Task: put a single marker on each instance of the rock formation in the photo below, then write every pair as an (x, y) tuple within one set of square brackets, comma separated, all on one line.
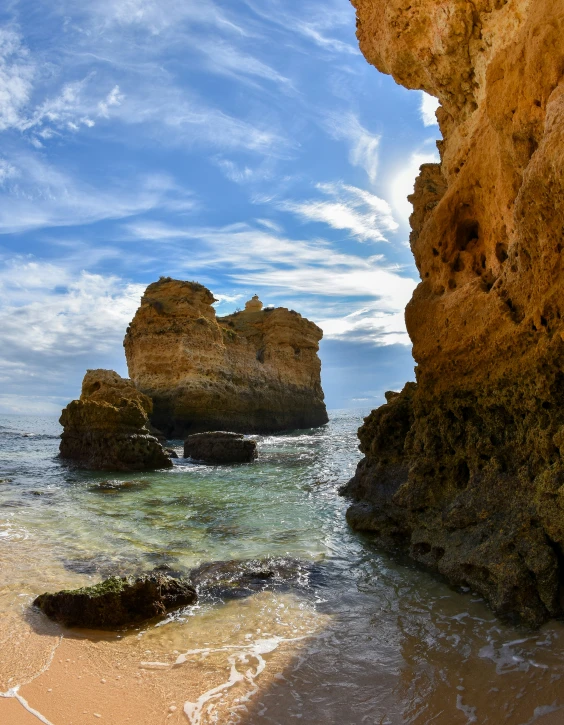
[(252, 371), (117, 602), (107, 427), (465, 469), (220, 447)]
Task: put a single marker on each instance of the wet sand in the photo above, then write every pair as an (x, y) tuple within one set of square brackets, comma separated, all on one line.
[(203, 669)]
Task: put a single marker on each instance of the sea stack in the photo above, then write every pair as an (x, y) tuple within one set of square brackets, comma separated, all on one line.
[(464, 470), (107, 428), (255, 371)]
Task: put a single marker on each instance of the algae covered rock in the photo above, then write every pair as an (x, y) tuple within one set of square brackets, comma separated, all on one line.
[(254, 371), (220, 447), (107, 427), (117, 602)]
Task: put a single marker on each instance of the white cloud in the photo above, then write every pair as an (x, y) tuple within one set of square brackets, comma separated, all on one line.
[(364, 215), (429, 105), (364, 146), (322, 277), (56, 321), (39, 195), (402, 183), (16, 75)]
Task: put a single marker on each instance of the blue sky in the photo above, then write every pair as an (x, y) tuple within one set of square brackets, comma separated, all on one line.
[(245, 144)]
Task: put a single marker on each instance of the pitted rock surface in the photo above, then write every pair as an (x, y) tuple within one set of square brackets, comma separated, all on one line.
[(250, 372), (220, 447), (464, 470), (107, 427), (117, 602)]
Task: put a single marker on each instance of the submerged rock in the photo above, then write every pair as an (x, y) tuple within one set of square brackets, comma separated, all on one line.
[(107, 427), (117, 602), (241, 578), (220, 447), (465, 471), (254, 371)]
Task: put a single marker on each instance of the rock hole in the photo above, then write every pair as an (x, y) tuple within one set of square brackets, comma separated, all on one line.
[(501, 252), (260, 355), (467, 232), (458, 265), (543, 321), (421, 549), (538, 104), (462, 474), (452, 284), (435, 252)]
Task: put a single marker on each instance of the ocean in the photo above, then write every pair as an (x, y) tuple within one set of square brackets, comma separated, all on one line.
[(361, 638)]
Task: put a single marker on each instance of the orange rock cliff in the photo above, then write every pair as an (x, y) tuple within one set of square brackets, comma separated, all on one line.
[(253, 371), (464, 469)]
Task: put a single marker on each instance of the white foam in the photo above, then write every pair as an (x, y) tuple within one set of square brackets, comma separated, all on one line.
[(14, 691), (240, 655)]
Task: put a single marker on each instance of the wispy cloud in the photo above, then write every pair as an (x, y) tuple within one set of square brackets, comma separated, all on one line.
[(252, 257), (362, 214), (16, 76), (364, 146), (38, 195)]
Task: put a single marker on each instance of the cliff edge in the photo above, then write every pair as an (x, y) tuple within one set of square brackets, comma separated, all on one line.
[(464, 469), (253, 371)]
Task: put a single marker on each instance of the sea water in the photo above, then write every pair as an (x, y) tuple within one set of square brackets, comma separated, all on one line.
[(364, 639)]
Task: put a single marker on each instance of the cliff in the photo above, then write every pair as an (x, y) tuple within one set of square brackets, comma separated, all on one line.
[(107, 427), (253, 371), (464, 470)]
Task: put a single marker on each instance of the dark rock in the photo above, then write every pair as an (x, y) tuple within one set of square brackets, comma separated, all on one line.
[(117, 602), (220, 447), (236, 579), (171, 453)]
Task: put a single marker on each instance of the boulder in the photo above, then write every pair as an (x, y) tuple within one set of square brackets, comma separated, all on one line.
[(220, 447), (255, 371), (117, 602), (107, 427)]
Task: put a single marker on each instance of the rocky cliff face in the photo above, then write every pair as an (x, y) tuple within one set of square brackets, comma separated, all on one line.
[(465, 469), (107, 427), (253, 371)]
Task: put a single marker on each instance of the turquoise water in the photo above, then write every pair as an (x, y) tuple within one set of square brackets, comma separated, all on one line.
[(395, 645)]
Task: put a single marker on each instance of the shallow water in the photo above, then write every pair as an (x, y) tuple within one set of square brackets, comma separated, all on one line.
[(364, 640)]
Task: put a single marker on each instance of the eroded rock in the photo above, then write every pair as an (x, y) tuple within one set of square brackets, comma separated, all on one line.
[(254, 371), (107, 427), (465, 470), (117, 602), (220, 447)]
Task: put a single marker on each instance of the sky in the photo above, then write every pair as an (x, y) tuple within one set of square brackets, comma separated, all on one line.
[(243, 144)]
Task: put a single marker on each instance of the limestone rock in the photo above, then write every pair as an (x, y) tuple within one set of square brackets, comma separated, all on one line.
[(117, 602), (107, 427), (465, 470), (220, 447), (252, 371)]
